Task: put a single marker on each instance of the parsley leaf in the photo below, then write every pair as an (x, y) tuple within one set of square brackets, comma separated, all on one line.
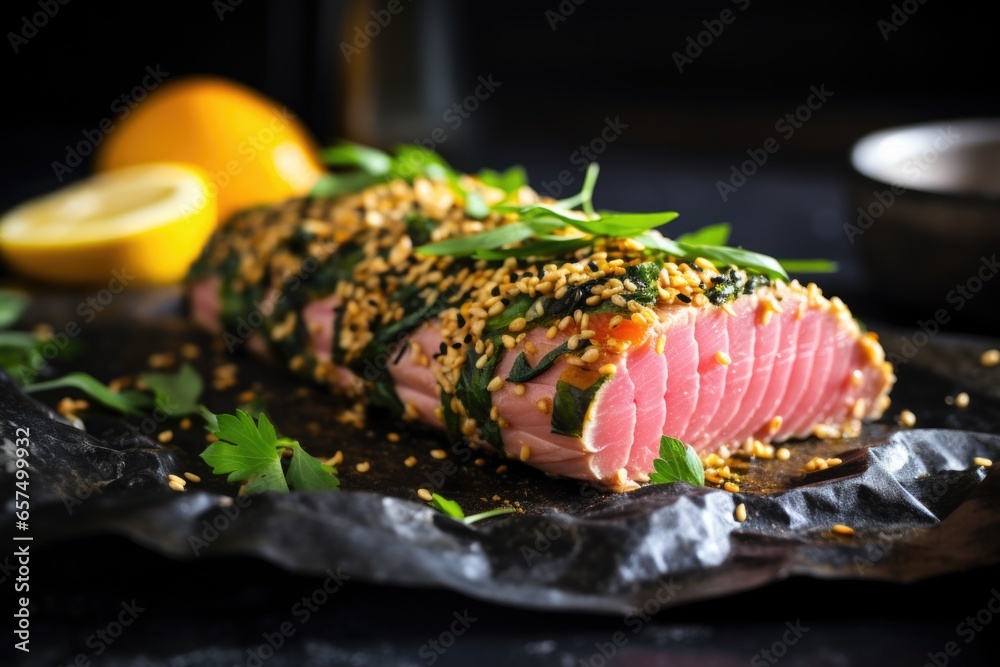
[(252, 453), (248, 452), (176, 394), (127, 402), (677, 463), (12, 305), (306, 473)]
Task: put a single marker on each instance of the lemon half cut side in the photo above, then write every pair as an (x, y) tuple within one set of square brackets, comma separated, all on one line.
[(149, 221)]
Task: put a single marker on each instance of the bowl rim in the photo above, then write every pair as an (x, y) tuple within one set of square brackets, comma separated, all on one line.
[(868, 156)]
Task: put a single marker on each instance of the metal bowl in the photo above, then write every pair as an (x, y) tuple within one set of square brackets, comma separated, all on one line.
[(926, 219)]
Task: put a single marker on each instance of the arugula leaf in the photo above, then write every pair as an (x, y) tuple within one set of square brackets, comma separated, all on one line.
[(717, 234), (509, 181), (247, 452), (547, 248), (12, 305), (370, 160), (452, 509), (677, 463), (808, 265), (126, 402), (467, 245), (306, 473), (745, 259), (176, 394), (586, 194)]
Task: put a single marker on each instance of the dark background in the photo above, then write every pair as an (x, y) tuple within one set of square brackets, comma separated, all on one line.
[(607, 59), (563, 70)]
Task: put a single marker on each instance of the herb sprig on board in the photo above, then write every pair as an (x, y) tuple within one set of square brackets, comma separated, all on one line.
[(677, 463)]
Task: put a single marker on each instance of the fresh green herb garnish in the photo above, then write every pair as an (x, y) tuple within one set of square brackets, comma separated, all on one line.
[(252, 453), (175, 394), (452, 509), (570, 406), (521, 371), (12, 305), (543, 230), (127, 402), (677, 463)]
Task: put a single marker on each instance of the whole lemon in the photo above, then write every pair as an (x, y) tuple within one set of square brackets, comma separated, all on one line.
[(254, 150)]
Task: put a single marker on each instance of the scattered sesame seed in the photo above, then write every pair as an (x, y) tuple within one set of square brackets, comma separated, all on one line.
[(841, 529), (741, 513), (176, 478), (525, 453), (907, 418), (962, 400), (165, 436), (783, 454), (982, 461), (185, 424), (590, 355), (607, 369), (661, 344), (544, 406), (723, 358), (176, 486), (190, 351), (501, 469), (392, 437), (425, 494), (161, 360), (519, 389), (990, 358), (337, 459), (518, 324), (732, 488), (364, 466), (439, 454), (480, 462), (495, 384), (410, 461), (192, 477)]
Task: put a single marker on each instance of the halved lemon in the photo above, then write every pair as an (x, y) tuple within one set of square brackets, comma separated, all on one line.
[(147, 222)]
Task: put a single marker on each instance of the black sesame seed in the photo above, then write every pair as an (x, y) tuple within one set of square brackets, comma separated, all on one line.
[(461, 321), (505, 301), (457, 346), (593, 265), (467, 339), (684, 297), (495, 291)]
